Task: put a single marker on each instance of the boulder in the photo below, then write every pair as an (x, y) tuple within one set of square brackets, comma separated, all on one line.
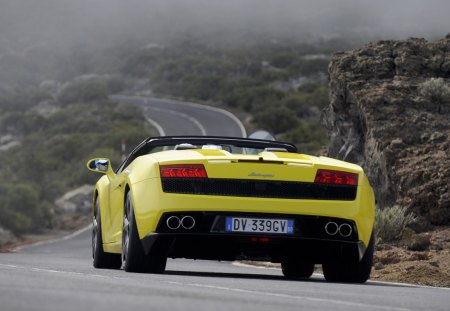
[(379, 119), (76, 201), (6, 237)]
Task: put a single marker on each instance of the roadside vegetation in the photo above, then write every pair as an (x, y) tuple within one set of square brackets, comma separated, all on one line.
[(391, 222), (436, 92), (46, 141), (281, 86)]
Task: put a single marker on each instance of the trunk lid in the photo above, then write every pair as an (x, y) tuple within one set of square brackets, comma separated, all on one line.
[(262, 166)]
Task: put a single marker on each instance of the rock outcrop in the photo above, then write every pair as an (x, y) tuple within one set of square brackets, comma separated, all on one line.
[(378, 118), (76, 201), (6, 237)]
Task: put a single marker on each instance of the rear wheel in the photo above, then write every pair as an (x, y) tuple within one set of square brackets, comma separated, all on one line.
[(346, 272), (100, 258), (134, 258), (293, 269)]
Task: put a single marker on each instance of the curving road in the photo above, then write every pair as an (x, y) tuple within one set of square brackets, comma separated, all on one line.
[(173, 117), (59, 275)]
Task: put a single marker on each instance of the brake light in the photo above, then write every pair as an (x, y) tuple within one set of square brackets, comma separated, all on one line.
[(336, 177), (183, 171)]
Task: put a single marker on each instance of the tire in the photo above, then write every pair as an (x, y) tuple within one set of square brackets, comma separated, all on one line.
[(345, 272), (296, 269), (133, 256), (100, 258)]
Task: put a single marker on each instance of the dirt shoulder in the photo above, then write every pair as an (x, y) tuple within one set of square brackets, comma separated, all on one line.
[(68, 226), (429, 267), (393, 263)]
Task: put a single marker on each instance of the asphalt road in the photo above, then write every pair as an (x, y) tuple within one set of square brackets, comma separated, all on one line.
[(172, 117), (59, 275)]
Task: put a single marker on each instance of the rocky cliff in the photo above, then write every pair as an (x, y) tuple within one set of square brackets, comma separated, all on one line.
[(379, 118)]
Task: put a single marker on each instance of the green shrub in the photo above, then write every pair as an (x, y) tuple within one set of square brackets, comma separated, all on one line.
[(16, 99), (254, 99), (83, 91), (284, 60), (309, 136), (115, 84), (435, 90), (51, 159), (313, 66), (390, 223), (299, 104), (276, 119), (21, 209)]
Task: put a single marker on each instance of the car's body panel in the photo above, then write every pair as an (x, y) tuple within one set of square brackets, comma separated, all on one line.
[(149, 216), (142, 179)]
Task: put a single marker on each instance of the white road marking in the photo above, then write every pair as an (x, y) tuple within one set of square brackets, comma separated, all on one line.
[(328, 301), (9, 266), (195, 105), (204, 107), (215, 287), (156, 125), (296, 297), (45, 270), (34, 269), (183, 115), (64, 238), (244, 265)]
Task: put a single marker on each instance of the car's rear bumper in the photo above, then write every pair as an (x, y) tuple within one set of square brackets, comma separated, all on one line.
[(209, 239), (218, 246)]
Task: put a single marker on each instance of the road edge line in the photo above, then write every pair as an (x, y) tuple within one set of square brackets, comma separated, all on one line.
[(199, 106), (220, 110), (244, 265), (157, 126), (51, 241), (183, 115)]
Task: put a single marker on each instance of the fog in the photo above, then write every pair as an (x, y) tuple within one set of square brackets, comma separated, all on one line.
[(102, 22)]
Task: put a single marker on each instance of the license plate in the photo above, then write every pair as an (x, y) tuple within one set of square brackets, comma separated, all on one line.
[(259, 225)]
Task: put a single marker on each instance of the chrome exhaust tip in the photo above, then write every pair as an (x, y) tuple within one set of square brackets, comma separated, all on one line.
[(188, 222), (331, 228), (173, 222), (345, 230)]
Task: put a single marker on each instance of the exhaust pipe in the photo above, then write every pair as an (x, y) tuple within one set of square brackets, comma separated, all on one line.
[(345, 230), (188, 222), (173, 222), (331, 228)]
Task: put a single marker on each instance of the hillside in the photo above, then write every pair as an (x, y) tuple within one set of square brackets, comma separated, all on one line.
[(46, 137), (389, 111), (276, 85)]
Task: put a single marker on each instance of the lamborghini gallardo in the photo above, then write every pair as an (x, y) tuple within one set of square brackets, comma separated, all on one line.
[(222, 198)]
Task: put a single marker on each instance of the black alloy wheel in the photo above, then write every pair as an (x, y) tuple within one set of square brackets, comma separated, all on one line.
[(134, 258), (351, 272), (101, 259)]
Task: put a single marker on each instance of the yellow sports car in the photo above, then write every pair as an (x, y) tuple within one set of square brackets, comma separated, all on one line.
[(225, 198)]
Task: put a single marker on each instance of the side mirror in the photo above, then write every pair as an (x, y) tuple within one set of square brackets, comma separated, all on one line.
[(100, 165)]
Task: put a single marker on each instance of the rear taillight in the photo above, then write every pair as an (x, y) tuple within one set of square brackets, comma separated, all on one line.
[(336, 177), (183, 171)]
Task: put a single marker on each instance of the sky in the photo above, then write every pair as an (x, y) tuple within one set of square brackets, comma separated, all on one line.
[(67, 22)]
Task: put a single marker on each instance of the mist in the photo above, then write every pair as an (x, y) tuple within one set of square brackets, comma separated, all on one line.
[(24, 23)]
